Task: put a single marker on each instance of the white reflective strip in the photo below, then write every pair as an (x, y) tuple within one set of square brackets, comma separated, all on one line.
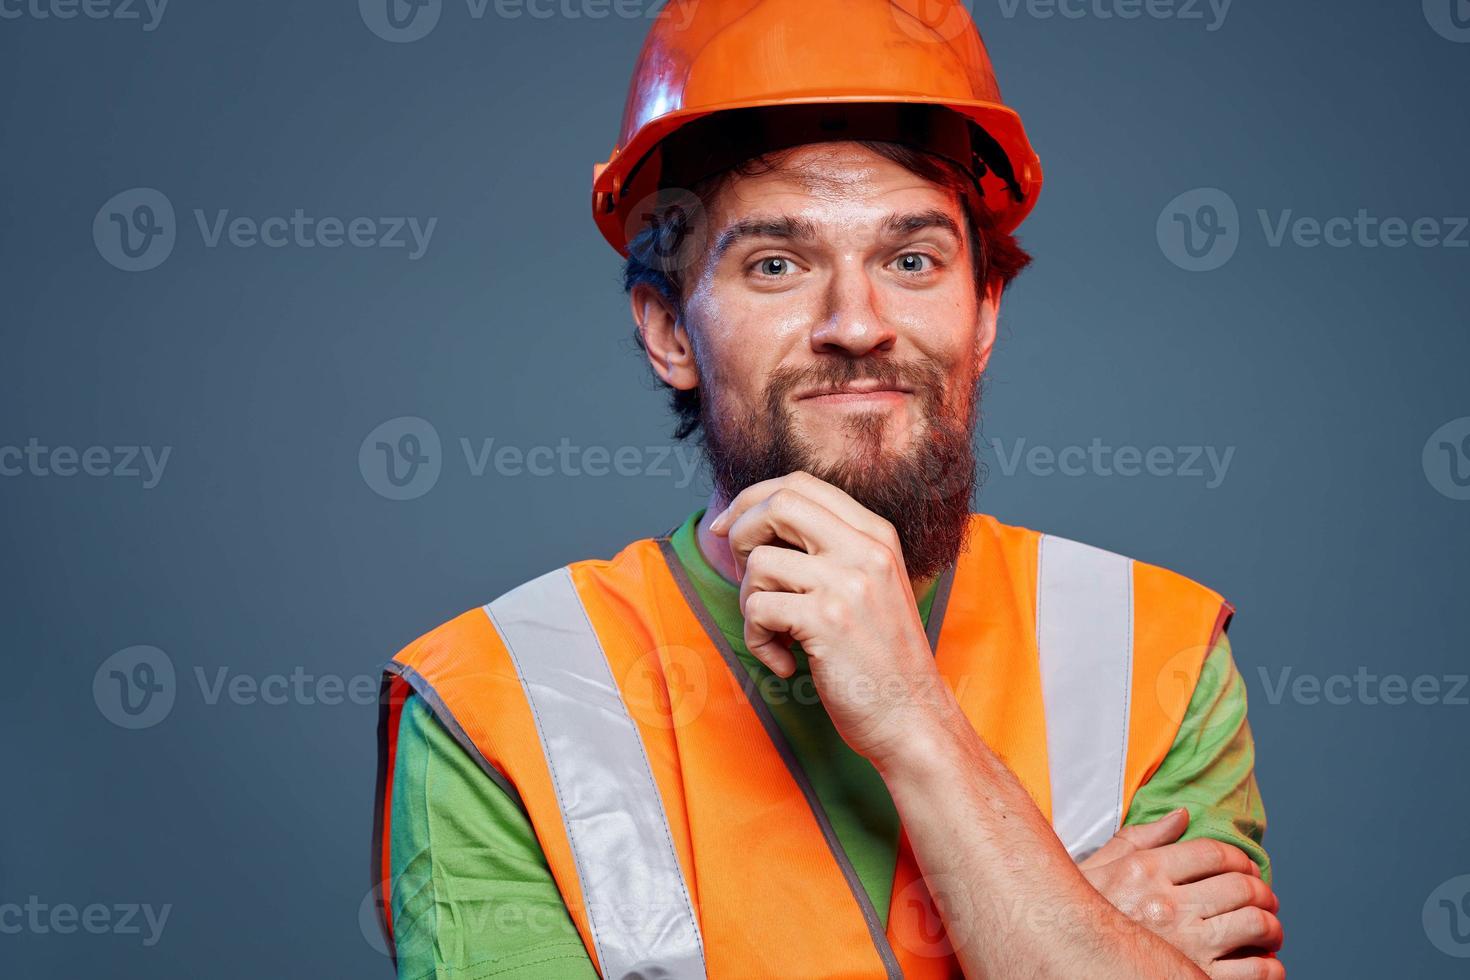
[(643, 924), (1084, 632)]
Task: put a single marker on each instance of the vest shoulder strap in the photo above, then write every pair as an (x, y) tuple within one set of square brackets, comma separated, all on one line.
[(637, 903), (1111, 635)]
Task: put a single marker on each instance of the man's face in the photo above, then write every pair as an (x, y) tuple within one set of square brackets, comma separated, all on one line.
[(837, 271), (836, 329)]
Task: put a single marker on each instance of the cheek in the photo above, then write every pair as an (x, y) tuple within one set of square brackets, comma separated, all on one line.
[(941, 327), (744, 339)]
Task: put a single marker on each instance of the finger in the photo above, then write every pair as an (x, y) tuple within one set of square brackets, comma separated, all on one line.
[(1140, 837), (768, 616), (1248, 927), (834, 498), (1194, 860), (1249, 968), (1226, 893), (772, 569), (787, 517)]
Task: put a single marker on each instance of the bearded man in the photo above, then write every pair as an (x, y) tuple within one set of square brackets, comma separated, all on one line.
[(833, 724)]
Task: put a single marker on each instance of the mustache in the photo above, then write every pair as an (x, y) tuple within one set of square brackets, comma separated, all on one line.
[(924, 378)]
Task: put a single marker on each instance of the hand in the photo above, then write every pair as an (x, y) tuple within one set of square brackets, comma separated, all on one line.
[(1204, 897), (818, 568)]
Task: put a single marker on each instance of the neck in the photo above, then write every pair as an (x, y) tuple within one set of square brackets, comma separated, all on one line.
[(716, 549)]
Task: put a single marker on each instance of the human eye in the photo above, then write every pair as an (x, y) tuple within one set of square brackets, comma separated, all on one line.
[(773, 267), (916, 263)]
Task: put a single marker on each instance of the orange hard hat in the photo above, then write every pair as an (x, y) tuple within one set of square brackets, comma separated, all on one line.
[(720, 81)]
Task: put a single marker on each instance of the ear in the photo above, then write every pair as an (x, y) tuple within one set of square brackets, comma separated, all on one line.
[(665, 339), (987, 323)]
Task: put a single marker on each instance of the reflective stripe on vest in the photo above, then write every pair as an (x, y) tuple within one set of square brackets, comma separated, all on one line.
[(637, 904), (1084, 636)]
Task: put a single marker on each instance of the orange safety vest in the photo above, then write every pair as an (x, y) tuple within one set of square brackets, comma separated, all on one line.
[(684, 838)]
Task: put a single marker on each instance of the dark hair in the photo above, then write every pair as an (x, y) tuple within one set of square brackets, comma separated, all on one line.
[(654, 253)]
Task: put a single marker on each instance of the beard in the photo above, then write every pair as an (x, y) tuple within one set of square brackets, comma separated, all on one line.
[(924, 491)]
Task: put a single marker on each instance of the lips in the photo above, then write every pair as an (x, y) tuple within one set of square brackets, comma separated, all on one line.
[(856, 390)]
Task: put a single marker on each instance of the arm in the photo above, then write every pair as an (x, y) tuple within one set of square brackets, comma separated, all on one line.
[(1210, 768), (1209, 894), (818, 568), (996, 869), (472, 895)]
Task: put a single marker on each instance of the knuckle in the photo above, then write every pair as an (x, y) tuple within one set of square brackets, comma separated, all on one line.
[(1261, 968), (760, 556), (783, 501), (832, 612), (1135, 869), (1242, 890), (1156, 911), (877, 558)]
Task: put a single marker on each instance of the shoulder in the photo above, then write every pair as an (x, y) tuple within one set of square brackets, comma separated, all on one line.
[(471, 636), (1044, 550)]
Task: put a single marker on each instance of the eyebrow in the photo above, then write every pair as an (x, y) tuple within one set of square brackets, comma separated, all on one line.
[(895, 225), (785, 226), (900, 225)]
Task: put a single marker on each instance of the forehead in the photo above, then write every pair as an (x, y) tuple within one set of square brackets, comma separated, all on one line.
[(831, 188)]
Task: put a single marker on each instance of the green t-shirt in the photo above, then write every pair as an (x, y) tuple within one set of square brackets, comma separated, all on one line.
[(473, 896)]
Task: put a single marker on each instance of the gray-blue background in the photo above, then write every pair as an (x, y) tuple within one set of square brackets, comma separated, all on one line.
[(265, 549)]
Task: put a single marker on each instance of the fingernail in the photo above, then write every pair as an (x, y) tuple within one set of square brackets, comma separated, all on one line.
[(719, 520)]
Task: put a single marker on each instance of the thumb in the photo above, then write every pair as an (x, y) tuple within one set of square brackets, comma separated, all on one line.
[(1142, 836)]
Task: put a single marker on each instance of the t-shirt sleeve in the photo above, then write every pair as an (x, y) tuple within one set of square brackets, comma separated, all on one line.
[(472, 895), (1210, 768)]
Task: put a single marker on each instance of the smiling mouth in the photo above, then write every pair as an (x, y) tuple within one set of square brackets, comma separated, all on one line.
[(839, 396)]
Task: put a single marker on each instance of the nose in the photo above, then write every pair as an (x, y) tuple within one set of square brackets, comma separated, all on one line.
[(851, 322)]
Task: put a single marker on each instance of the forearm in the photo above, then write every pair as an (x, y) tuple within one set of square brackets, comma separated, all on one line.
[(1013, 901)]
